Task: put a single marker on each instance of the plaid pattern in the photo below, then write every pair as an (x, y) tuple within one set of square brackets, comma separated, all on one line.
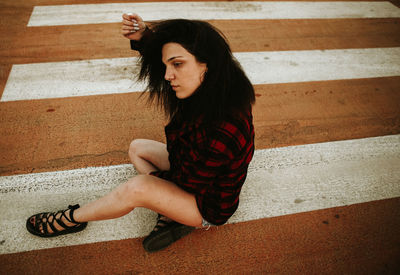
[(211, 162)]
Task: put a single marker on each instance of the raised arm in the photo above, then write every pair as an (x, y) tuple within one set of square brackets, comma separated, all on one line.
[(133, 26)]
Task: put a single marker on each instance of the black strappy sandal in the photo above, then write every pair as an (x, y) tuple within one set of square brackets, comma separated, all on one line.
[(164, 234), (45, 219)]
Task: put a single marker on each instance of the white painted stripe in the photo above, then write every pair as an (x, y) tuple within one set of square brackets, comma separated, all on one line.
[(281, 181), (105, 76), (108, 13), (72, 78)]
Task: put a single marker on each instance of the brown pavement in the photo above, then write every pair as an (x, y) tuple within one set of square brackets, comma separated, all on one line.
[(357, 239), (61, 134), (67, 133)]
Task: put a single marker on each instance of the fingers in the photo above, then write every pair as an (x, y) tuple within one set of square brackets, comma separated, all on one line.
[(128, 21), (134, 16), (127, 25), (126, 16), (132, 23), (126, 32)]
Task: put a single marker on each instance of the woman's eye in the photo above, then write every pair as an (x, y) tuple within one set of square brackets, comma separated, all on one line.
[(177, 64)]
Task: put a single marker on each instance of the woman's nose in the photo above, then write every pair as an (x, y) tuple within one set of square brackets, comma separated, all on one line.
[(168, 74)]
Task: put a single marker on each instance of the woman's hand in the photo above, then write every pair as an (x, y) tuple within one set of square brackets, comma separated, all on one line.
[(132, 26)]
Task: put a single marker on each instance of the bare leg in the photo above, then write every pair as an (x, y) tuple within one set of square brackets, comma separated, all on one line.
[(147, 191), (148, 155)]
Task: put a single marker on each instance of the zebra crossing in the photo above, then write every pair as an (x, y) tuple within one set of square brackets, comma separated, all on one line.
[(314, 171)]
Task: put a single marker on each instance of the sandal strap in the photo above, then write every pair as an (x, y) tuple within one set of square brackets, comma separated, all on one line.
[(48, 219), (38, 221), (161, 220), (43, 220), (72, 208), (60, 221), (161, 223), (44, 226)]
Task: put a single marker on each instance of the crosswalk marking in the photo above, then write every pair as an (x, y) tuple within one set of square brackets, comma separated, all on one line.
[(281, 181), (117, 75), (108, 13)]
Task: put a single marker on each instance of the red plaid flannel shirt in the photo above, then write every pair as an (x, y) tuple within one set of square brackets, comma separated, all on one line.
[(211, 162)]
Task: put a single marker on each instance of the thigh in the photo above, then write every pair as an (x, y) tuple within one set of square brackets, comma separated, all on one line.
[(152, 151), (168, 199)]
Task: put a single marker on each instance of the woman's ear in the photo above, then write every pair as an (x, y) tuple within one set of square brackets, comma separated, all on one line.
[(203, 74)]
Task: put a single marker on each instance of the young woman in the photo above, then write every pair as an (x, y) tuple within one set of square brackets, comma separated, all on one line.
[(195, 179)]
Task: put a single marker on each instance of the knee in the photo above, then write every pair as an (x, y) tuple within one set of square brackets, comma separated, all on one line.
[(134, 190), (134, 147)]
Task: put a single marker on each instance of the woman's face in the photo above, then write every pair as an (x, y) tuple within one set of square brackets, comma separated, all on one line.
[(183, 71)]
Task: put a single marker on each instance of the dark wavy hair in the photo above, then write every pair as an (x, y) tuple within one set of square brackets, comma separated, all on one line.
[(225, 90)]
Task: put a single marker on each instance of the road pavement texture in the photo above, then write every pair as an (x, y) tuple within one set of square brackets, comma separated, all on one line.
[(323, 190)]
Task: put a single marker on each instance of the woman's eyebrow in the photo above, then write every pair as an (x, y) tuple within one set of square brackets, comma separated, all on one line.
[(172, 58)]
